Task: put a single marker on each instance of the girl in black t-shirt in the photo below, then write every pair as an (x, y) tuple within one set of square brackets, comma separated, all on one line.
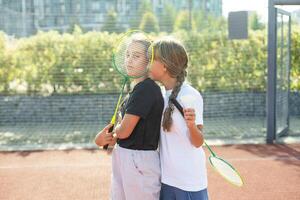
[(135, 160)]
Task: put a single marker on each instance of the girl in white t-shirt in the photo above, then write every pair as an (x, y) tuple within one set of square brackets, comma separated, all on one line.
[(183, 167)]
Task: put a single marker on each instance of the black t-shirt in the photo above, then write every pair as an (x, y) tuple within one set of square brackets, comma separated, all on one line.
[(145, 101)]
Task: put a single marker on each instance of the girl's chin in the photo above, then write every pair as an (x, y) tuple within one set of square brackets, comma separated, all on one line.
[(131, 73), (153, 78)]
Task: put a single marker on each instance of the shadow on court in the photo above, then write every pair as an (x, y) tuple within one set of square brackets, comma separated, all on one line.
[(270, 172)]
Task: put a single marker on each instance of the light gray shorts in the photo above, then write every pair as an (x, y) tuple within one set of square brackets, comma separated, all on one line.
[(135, 174)]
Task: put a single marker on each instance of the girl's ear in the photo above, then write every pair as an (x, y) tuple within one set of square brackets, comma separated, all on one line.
[(165, 69)]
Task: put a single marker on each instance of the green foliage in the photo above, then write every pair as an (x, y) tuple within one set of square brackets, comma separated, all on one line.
[(50, 62), (8, 68), (149, 23), (75, 27), (3, 71), (167, 18), (2, 43), (111, 23), (201, 21), (204, 22), (255, 22), (135, 19), (69, 63), (183, 22), (2, 48), (295, 59), (217, 64)]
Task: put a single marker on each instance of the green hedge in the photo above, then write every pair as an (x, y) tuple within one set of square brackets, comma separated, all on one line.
[(68, 63), (50, 62), (220, 64), (295, 59)]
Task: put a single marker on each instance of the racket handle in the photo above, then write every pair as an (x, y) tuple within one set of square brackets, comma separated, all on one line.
[(110, 130)]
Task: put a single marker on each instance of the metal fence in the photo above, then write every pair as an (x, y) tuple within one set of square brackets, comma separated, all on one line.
[(43, 106)]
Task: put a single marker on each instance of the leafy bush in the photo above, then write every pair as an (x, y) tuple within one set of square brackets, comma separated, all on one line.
[(68, 63), (295, 59), (217, 63), (183, 22), (149, 23), (50, 63), (9, 72)]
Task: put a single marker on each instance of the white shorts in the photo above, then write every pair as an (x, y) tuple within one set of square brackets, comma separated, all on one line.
[(135, 174)]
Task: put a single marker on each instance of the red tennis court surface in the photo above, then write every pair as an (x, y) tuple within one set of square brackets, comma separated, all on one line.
[(271, 172)]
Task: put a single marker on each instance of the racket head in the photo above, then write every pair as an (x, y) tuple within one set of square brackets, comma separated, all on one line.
[(133, 54), (226, 170)]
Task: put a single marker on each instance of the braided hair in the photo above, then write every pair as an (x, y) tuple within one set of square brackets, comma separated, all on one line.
[(174, 57)]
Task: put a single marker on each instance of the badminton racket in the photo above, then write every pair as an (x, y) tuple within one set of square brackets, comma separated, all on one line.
[(224, 168), (132, 45)]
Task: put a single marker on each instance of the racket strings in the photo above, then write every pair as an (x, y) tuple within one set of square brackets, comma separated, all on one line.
[(131, 57), (226, 170)]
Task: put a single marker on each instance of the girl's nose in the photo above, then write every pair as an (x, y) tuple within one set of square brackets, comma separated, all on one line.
[(129, 62), (129, 59)]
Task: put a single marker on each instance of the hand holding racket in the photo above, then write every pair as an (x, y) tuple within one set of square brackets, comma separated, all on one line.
[(104, 136), (132, 46), (225, 169)]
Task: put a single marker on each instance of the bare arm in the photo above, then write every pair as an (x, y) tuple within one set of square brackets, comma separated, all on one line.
[(125, 128), (197, 138), (196, 135)]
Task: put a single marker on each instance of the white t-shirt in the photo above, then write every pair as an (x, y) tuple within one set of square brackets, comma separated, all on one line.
[(182, 164)]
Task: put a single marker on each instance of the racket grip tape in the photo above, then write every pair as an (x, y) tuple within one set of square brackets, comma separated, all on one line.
[(110, 130)]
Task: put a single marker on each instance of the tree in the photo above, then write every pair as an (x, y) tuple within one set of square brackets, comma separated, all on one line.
[(3, 75), (111, 22), (182, 22), (200, 20), (135, 17), (77, 30), (74, 24), (149, 23), (167, 18), (255, 22)]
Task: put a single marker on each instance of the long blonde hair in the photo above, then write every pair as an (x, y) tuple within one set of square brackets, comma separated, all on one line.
[(173, 55)]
